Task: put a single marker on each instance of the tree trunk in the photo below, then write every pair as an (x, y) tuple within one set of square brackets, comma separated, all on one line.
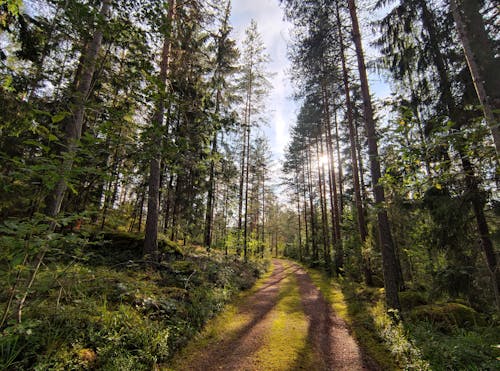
[(311, 204), (483, 66), (322, 201), (211, 191), (247, 171), (151, 237), (306, 247), (363, 233), (74, 125), (341, 175), (334, 201), (385, 237), (299, 216)]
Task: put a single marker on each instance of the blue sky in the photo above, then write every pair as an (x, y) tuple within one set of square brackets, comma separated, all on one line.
[(275, 33)]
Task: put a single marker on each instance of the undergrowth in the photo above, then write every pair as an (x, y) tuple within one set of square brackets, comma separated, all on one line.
[(109, 312), (440, 336)]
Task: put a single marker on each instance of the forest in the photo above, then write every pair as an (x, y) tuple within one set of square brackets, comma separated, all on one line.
[(143, 206)]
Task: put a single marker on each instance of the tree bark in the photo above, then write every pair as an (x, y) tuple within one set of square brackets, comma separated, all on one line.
[(385, 237), (151, 237), (334, 200), (73, 130), (483, 66)]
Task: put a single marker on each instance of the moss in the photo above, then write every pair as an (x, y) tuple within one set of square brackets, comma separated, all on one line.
[(287, 346), (412, 299), (127, 316), (446, 316)]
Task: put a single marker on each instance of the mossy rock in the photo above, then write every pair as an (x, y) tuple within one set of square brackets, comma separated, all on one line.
[(184, 267), (446, 316), (123, 241), (169, 250), (412, 299)]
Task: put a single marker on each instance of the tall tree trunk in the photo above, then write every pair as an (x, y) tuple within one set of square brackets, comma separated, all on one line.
[(74, 125), (314, 239), (211, 185), (388, 255), (241, 189), (483, 65), (341, 175), (299, 216), (306, 225), (263, 212), (334, 201), (363, 233), (322, 200), (151, 237), (247, 171)]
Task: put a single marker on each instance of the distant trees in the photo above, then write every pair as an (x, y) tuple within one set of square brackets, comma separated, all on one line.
[(253, 85)]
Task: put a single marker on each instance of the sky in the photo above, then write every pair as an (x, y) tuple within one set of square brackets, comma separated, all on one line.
[(275, 34)]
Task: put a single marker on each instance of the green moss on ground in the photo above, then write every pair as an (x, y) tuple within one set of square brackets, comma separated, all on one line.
[(107, 311), (286, 347)]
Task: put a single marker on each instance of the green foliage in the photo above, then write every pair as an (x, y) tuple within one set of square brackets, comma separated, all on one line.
[(472, 349), (106, 312)]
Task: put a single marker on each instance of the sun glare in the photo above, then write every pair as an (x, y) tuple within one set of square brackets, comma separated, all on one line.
[(323, 160)]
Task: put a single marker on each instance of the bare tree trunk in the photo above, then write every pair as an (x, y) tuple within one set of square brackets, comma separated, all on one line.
[(247, 171), (242, 178), (299, 215), (209, 216), (74, 125), (263, 212), (483, 66), (363, 233), (334, 202), (322, 200), (341, 175), (151, 237), (311, 204), (388, 255), (306, 247)]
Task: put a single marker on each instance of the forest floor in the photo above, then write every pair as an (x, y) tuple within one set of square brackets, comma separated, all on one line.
[(284, 323)]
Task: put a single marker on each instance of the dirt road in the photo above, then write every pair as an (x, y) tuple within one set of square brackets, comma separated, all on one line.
[(284, 324)]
